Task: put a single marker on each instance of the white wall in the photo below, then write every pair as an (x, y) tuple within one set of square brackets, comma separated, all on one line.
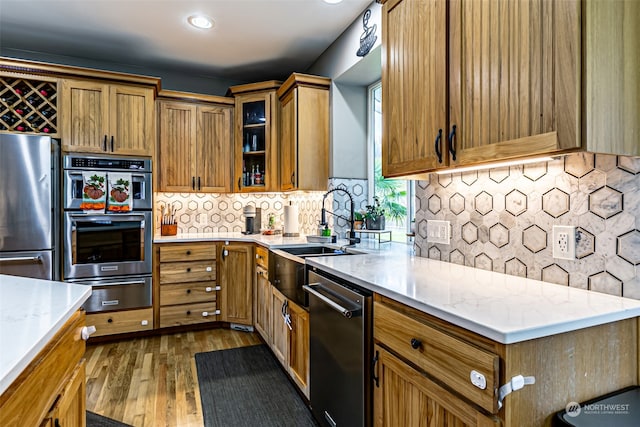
[(351, 75)]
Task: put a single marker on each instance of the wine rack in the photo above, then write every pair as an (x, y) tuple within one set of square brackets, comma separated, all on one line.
[(28, 106)]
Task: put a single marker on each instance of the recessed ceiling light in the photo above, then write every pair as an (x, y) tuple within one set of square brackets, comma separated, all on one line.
[(332, 1), (200, 21)]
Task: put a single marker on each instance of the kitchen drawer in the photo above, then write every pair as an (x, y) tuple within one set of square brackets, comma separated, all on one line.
[(187, 252), (119, 322), (188, 314), (262, 256), (187, 293), (442, 356), (192, 271)]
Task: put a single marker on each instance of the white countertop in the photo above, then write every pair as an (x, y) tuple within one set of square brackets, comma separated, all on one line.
[(31, 313), (507, 309)]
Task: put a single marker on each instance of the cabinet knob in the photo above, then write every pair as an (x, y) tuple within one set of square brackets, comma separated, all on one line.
[(188, 291), (415, 343), (188, 252), (188, 312), (189, 270), (109, 320), (208, 289)]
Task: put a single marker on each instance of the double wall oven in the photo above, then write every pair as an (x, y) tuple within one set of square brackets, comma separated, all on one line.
[(109, 251)]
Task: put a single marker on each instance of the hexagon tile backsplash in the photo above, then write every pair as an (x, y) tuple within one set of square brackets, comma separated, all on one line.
[(202, 213), (502, 220)]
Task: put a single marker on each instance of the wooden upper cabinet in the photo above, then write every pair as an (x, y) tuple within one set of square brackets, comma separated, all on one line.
[(414, 86), (255, 147), (176, 157), (213, 151), (304, 133), (505, 74), (514, 79), (107, 118), (612, 61), (194, 145)]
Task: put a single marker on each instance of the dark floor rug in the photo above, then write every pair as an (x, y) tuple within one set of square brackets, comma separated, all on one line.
[(246, 387), (97, 420)]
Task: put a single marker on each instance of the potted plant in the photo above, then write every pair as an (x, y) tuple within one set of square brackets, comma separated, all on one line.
[(374, 216), (358, 220)]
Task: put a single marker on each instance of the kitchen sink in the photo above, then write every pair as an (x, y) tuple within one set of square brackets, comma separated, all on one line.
[(308, 251)]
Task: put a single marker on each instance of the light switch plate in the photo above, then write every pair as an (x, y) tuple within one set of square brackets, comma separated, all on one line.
[(438, 231)]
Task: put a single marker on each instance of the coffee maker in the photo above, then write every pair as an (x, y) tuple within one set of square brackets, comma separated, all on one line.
[(252, 219)]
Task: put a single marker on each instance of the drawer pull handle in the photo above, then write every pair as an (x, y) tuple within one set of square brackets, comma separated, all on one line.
[(189, 270), (415, 343), (188, 252), (109, 320), (208, 289), (188, 312), (188, 291)]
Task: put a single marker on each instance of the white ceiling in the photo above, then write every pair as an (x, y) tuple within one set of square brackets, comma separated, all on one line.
[(251, 40)]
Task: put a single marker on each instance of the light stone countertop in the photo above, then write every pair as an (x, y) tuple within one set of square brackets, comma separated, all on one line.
[(31, 313), (505, 308)]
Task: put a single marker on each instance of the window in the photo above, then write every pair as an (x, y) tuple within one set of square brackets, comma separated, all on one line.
[(395, 195)]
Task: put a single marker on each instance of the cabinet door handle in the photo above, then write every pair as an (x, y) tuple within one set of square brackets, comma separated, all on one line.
[(438, 146), (199, 184), (374, 365), (104, 144), (112, 143), (224, 253), (452, 143), (193, 182), (415, 343), (239, 187), (293, 178)]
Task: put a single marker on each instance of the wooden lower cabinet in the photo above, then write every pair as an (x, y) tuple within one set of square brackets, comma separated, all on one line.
[(279, 329), (299, 346), (406, 397), (51, 389), (120, 322), (424, 367), (262, 302), (235, 263), (188, 287), (289, 341), (69, 409)]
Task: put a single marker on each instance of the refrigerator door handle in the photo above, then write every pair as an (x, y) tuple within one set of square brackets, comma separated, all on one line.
[(34, 259)]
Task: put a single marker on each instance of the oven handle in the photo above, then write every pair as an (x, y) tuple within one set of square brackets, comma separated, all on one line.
[(311, 288), (35, 259), (133, 175), (90, 217), (133, 282)]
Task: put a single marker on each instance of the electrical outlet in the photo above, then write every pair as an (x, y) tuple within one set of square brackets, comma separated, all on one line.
[(438, 231), (564, 242)]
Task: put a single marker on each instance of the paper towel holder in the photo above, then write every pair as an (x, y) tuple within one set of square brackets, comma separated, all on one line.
[(287, 222)]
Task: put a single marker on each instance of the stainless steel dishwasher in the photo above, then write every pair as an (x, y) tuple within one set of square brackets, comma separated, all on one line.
[(339, 351)]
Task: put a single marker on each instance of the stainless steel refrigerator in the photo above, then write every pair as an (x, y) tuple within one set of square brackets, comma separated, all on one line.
[(28, 206)]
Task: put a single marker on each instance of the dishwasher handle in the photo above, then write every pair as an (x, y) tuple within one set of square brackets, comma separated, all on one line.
[(348, 313)]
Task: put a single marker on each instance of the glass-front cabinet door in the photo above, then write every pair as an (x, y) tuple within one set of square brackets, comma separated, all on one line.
[(255, 151)]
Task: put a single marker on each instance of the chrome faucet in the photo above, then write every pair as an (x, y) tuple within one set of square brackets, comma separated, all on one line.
[(323, 217)]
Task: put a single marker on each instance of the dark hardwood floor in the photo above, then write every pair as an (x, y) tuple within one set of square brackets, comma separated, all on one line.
[(152, 381)]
